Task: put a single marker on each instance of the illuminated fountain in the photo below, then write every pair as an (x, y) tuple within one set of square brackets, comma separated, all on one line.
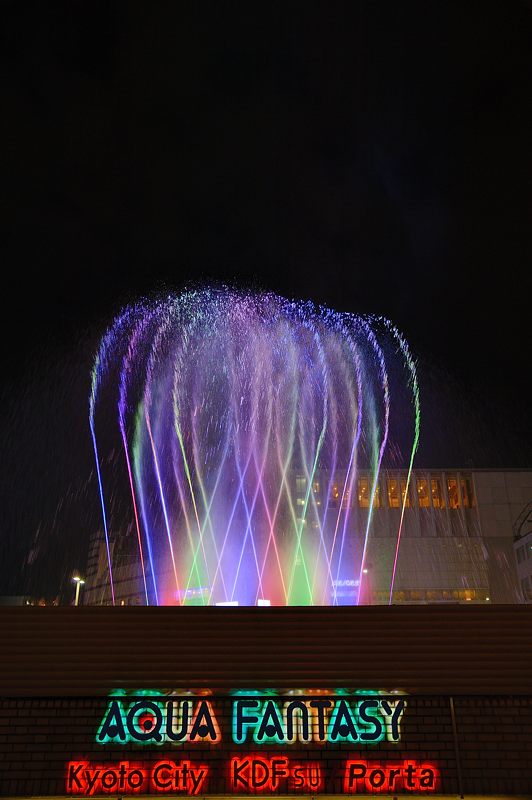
[(229, 430)]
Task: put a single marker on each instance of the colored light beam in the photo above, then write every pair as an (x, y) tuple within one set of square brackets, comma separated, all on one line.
[(245, 422)]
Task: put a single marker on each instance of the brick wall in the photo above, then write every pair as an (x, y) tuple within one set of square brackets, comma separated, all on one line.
[(39, 736)]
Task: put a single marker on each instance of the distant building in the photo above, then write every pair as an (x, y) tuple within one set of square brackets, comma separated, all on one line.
[(27, 600), (523, 551), (457, 539), (14, 600)]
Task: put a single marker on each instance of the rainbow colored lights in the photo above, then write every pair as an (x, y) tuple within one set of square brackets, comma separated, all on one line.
[(229, 432)]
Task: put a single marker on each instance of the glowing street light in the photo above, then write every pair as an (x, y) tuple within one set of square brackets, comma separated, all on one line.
[(78, 581)]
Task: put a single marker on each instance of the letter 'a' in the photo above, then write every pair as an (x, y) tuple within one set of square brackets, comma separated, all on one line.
[(112, 725)]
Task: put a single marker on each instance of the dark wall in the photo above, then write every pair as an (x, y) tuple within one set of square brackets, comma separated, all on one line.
[(476, 649)]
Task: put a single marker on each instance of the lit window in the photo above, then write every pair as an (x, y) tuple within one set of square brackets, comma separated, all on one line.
[(301, 484), (345, 500), (300, 501), (452, 491), (335, 494), (465, 594), (316, 487), (436, 492), (377, 497), (363, 493), (468, 499), (405, 494), (423, 499), (393, 493)]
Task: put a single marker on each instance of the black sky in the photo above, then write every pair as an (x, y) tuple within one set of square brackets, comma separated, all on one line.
[(375, 157)]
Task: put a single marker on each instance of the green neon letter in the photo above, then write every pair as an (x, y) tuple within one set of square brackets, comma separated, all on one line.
[(342, 724), (112, 725), (241, 721), (271, 727)]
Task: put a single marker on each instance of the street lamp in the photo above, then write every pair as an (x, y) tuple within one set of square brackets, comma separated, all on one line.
[(78, 581)]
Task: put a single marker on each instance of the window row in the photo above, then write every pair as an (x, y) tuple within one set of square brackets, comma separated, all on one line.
[(454, 491), (524, 552), (433, 595)]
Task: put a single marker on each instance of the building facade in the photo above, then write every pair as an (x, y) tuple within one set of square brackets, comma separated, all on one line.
[(456, 544), (523, 551)]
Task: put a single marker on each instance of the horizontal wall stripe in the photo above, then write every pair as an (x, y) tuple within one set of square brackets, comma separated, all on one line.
[(89, 651)]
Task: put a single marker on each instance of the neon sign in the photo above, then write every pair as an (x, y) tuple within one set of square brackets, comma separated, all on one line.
[(367, 777), (247, 774), (156, 719), (183, 777), (257, 723), (257, 774), (319, 720), (152, 720)]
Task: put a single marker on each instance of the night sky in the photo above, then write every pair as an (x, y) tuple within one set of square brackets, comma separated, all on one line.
[(375, 157)]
